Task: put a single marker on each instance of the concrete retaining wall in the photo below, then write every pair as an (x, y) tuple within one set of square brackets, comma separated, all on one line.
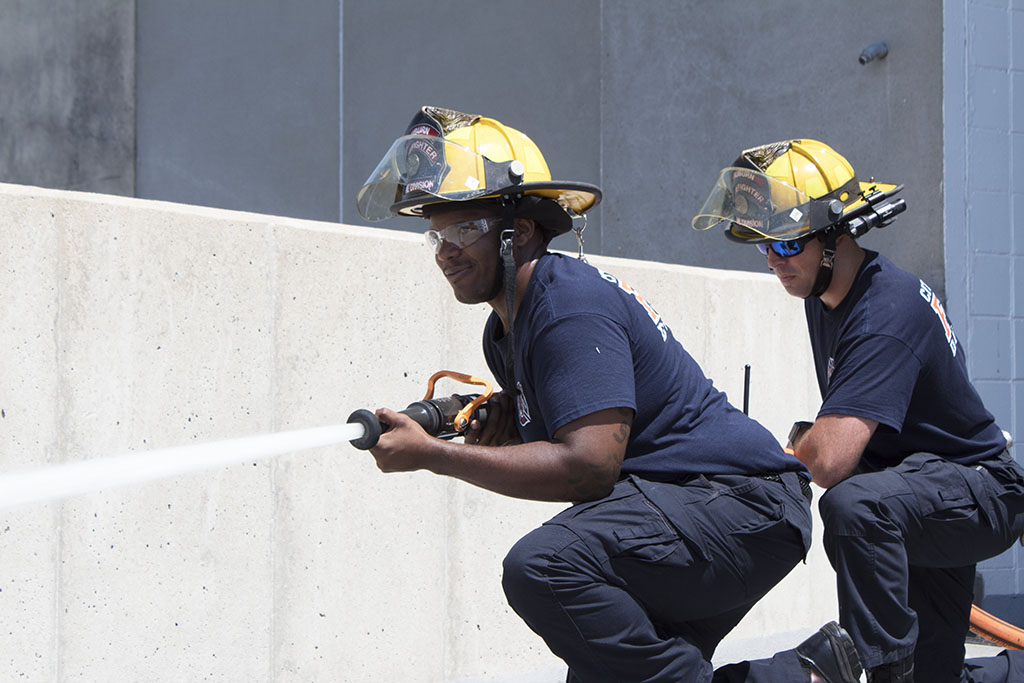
[(132, 324)]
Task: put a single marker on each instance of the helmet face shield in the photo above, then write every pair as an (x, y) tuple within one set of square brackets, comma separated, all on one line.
[(422, 165), (417, 165), (756, 206)]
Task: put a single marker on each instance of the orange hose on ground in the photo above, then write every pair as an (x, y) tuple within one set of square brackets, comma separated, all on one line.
[(995, 630)]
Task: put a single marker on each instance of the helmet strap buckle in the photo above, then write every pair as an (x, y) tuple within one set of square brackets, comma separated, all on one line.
[(579, 235), (828, 259), (506, 242)]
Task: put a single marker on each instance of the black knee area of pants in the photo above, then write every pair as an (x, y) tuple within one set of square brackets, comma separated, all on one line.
[(520, 575), (525, 569), (895, 672), (846, 502)]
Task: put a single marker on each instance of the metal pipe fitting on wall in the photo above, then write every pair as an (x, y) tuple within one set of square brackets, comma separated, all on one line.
[(873, 52)]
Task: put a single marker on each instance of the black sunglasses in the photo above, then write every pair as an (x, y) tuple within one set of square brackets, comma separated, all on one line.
[(785, 249)]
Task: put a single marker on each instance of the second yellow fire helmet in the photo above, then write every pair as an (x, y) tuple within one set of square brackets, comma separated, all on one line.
[(784, 191)]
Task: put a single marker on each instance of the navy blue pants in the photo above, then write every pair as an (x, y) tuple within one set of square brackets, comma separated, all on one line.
[(642, 585), (904, 543)]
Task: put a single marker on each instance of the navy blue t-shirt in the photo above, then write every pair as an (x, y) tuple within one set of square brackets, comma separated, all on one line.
[(586, 341), (888, 352)]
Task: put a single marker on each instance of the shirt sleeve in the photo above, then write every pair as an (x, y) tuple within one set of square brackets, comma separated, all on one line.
[(581, 364), (872, 377)]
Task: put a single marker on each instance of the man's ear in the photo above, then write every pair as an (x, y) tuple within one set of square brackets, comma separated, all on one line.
[(526, 228), (847, 237)]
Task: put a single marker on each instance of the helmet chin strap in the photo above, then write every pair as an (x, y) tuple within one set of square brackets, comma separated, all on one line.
[(828, 258), (509, 267)]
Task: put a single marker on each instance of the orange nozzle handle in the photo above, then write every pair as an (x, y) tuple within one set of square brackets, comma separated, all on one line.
[(461, 420)]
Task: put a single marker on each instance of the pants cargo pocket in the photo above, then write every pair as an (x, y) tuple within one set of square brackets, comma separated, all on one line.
[(941, 489)]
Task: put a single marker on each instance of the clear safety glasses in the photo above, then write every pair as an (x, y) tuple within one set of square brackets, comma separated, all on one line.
[(786, 248), (462, 234)]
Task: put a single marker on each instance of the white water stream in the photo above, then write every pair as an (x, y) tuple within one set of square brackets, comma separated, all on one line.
[(137, 467)]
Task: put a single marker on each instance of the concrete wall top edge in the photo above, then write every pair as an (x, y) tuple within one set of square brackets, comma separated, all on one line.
[(382, 232), (699, 271), (203, 211)]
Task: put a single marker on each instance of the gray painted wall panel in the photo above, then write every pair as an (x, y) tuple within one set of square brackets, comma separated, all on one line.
[(686, 90), (238, 105), (67, 109), (533, 65)]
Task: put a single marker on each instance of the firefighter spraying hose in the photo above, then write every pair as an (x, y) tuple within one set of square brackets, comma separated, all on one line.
[(600, 406)]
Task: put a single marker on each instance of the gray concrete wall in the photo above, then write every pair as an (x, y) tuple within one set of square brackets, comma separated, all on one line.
[(67, 113), (984, 170), (132, 325)]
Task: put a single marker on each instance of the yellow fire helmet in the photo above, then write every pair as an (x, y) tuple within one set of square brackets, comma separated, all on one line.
[(786, 190), (447, 156)]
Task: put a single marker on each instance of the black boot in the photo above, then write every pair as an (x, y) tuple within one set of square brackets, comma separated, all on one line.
[(830, 653), (894, 672)]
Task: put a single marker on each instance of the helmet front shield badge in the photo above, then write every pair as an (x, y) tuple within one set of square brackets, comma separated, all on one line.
[(756, 206)]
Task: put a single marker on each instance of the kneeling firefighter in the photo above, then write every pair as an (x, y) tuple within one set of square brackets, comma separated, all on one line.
[(920, 483)]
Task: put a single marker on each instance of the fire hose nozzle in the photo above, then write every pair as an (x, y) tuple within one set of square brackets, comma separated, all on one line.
[(371, 429), (444, 418), (437, 416)]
